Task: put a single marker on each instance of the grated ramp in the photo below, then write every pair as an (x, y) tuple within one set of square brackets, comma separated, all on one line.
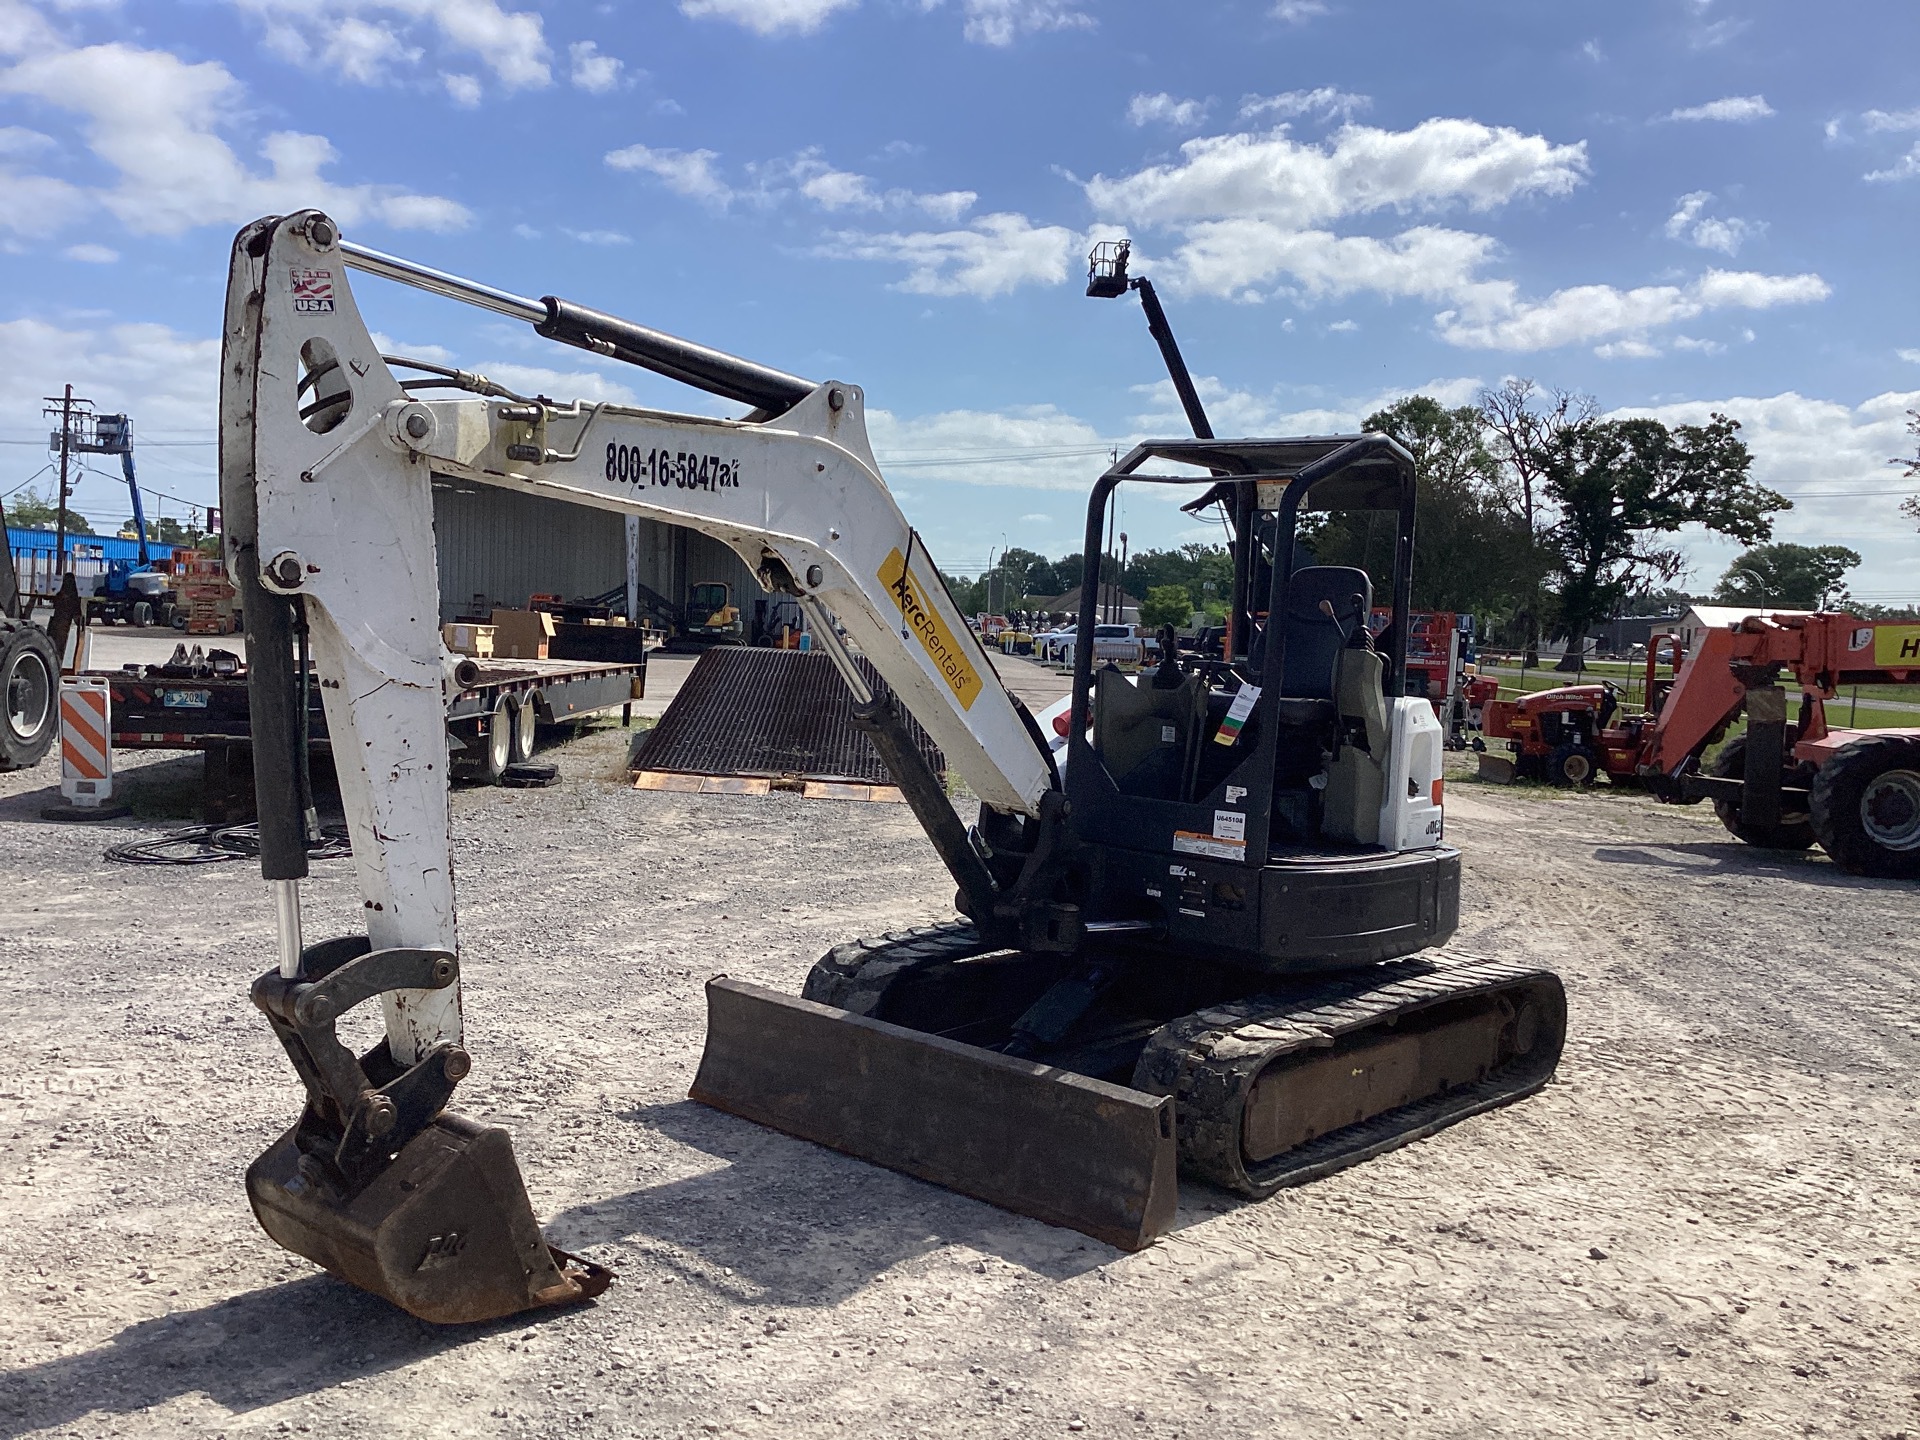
[(773, 715)]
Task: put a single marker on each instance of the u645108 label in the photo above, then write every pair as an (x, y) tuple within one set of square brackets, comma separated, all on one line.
[(682, 469)]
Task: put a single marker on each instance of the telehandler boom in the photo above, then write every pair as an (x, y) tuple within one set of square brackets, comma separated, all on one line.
[(1198, 942)]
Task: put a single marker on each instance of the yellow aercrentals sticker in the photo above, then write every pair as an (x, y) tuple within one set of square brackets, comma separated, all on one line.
[(1896, 646), (935, 638)]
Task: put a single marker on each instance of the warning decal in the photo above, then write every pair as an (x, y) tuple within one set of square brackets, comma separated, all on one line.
[(312, 292)]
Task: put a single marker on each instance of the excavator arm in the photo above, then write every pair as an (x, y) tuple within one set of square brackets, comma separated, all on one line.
[(327, 463)]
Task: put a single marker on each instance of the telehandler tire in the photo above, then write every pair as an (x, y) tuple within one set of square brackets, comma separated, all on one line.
[(1866, 807), (29, 695), (1572, 766), (1795, 830)]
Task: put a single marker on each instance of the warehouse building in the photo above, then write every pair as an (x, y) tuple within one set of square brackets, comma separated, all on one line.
[(497, 547)]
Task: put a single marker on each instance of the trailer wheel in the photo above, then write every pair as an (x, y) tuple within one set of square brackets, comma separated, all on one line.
[(1866, 807), (526, 720), (1573, 764), (29, 715), (488, 754), (1794, 832)]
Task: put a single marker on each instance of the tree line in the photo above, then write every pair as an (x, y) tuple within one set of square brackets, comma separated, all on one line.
[(1537, 514)]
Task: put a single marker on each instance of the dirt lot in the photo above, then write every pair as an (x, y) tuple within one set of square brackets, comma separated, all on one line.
[(1707, 1225)]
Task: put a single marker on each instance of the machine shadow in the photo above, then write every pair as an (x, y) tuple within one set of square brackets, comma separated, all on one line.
[(792, 1223), (246, 1352), (1807, 867)]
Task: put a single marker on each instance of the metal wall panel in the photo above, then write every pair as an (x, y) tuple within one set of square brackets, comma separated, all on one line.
[(507, 546)]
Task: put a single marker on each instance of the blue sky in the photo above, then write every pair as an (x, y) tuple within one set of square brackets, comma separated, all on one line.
[(1677, 205)]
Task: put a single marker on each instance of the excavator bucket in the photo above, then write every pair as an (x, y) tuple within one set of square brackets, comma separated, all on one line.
[(379, 1182), (1041, 1141), (445, 1231)]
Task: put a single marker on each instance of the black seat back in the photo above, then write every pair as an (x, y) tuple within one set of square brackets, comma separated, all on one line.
[(1314, 639)]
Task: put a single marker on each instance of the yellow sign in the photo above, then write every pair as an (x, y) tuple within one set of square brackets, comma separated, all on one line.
[(919, 616), (1896, 646)]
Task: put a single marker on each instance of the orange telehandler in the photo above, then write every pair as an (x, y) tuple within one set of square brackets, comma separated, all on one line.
[(1784, 783)]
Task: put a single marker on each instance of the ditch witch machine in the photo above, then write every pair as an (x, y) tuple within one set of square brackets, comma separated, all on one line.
[(1208, 943)]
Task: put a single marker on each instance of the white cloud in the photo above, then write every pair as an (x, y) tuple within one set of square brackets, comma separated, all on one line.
[(1063, 452), (770, 182), (1326, 102), (1905, 168), (597, 237), (685, 172), (1709, 232), (1163, 109), (592, 72), (17, 140), (767, 17), (1737, 109), (1879, 120), (377, 41), (1809, 448), (992, 256), (91, 254), (1001, 22), (1493, 316), (1591, 49), (1235, 257), (1437, 163), (1912, 357), (1343, 327), (1627, 350), (154, 118), (463, 90), (1299, 12), (168, 382)]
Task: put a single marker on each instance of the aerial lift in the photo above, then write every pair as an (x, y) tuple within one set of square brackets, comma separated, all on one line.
[(136, 592), (1206, 939)]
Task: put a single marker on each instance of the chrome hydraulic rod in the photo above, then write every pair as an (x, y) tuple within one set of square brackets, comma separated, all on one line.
[(439, 282)]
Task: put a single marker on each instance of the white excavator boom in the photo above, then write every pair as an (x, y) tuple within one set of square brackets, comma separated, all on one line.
[(327, 467)]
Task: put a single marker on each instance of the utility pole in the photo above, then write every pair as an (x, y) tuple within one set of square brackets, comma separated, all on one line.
[(60, 517)]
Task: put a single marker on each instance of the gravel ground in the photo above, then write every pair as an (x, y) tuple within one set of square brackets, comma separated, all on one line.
[(1706, 1225)]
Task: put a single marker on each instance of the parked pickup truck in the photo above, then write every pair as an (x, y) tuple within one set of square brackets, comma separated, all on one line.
[(1122, 645)]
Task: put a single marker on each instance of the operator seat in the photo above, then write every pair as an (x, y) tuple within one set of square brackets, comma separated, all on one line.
[(1314, 639)]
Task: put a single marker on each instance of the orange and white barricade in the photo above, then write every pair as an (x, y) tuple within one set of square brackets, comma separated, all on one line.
[(86, 739)]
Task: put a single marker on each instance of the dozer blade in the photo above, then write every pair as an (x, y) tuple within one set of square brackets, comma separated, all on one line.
[(445, 1231), (1086, 1154)]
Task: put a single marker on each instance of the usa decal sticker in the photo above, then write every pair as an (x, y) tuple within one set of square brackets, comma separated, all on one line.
[(313, 292)]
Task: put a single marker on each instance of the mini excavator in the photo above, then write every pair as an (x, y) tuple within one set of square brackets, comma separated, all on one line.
[(1201, 911)]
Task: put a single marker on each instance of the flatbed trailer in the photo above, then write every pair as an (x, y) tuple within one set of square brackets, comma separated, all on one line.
[(491, 721)]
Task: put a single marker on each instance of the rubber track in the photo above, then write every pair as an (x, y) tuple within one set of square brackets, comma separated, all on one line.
[(1208, 1062), (855, 976)]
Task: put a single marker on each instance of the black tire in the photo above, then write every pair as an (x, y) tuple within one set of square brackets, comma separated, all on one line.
[(487, 758), (1794, 832), (1866, 807), (29, 696), (1572, 765), (526, 721), (142, 613)]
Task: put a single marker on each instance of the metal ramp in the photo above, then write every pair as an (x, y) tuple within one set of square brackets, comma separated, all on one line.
[(749, 721)]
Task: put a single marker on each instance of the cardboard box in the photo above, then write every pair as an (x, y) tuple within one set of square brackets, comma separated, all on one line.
[(522, 634), (468, 639)]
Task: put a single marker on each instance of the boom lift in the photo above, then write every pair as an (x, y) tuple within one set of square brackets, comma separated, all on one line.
[(1201, 944)]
